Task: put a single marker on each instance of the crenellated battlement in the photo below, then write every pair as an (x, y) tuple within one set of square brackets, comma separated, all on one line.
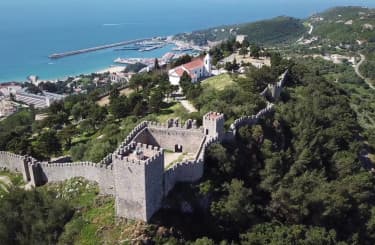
[(274, 89), (74, 164), (174, 123), (138, 153), (251, 120), (10, 154), (214, 116), (133, 133)]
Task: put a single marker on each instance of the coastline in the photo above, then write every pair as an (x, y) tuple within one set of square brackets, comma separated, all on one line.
[(111, 66), (111, 69)]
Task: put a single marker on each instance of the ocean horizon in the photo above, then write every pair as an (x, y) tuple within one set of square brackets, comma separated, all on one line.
[(32, 30)]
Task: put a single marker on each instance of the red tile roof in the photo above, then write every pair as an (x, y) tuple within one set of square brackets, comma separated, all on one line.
[(194, 64), (213, 116), (179, 71)]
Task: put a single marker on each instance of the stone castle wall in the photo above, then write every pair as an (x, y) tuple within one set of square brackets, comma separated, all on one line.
[(138, 183), (168, 138), (15, 163), (102, 174), (251, 120), (187, 171), (274, 90), (12, 161)]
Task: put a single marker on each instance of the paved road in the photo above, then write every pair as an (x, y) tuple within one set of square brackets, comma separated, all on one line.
[(311, 29), (356, 68)]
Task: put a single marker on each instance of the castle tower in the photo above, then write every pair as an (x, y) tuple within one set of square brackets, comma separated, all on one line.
[(138, 173), (213, 125), (208, 64)]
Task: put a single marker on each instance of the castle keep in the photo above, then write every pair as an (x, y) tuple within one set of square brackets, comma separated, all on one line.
[(147, 164)]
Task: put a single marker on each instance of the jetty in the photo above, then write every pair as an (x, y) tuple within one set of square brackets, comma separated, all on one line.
[(87, 50)]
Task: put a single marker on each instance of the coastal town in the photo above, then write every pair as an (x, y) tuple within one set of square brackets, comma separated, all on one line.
[(16, 95)]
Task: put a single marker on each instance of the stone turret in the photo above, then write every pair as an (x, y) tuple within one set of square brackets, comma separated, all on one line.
[(213, 125), (138, 173)]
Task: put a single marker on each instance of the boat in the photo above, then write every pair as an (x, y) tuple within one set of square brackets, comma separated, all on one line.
[(182, 49), (150, 48), (126, 48)]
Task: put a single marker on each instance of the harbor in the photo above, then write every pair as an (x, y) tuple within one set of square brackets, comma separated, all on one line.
[(87, 50)]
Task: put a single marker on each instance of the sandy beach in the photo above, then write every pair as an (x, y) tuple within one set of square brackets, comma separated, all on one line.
[(112, 69)]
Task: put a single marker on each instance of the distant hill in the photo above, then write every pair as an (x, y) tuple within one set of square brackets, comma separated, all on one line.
[(278, 30), (338, 25), (345, 24), (274, 31)]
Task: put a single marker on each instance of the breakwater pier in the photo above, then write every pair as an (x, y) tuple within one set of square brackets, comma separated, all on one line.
[(87, 50)]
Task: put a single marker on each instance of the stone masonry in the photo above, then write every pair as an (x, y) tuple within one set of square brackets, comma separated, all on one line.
[(135, 174)]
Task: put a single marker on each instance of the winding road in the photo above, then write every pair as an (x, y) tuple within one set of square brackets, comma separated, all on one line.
[(356, 68)]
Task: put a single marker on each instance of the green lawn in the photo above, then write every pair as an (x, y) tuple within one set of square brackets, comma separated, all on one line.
[(94, 220), (218, 82), (173, 111)]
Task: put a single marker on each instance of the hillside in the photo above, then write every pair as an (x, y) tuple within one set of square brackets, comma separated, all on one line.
[(274, 31), (345, 24)]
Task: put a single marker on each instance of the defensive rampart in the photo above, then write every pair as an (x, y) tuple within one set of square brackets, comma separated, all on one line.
[(100, 173), (187, 171)]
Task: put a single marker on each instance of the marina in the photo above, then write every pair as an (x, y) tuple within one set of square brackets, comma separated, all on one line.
[(82, 51)]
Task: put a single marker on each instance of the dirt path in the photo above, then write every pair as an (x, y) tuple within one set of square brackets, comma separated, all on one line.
[(188, 106), (5, 182), (356, 68)]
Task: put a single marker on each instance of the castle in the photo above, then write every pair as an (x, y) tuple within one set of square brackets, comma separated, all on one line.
[(147, 164), (138, 174)]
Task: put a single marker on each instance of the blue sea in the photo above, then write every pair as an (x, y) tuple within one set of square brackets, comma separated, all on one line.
[(30, 30)]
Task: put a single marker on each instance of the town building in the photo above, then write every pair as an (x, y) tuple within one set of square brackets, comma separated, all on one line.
[(7, 108), (38, 101), (241, 38), (6, 89), (197, 69), (119, 77)]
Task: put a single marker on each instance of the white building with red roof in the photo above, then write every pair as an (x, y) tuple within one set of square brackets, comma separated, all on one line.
[(197, 69)]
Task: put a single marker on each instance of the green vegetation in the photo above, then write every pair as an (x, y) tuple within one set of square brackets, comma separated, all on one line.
[(268, 32), (274, 31), (32, 217), (368, 67), (9, 180), (294, 179), (79, 127), (346, 25), (175, 110), (219, 82)]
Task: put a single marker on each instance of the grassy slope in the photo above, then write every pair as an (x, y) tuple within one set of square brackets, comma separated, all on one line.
[(218, 82), (173, 111), (94, 220)]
